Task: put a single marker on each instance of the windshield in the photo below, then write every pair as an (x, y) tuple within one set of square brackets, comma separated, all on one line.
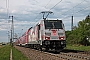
[(53, 24)]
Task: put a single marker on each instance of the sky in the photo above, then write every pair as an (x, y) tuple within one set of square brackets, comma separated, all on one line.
[(26, 13)]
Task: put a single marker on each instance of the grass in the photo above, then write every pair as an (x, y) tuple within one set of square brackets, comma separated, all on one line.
[(5, 53), (17, 55), (76, 47), (0, 46)]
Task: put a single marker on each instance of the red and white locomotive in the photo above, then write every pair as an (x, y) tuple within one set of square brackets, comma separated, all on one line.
[(48, 34)]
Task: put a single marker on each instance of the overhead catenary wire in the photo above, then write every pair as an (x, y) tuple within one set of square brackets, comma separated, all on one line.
[(39, 13), (55, 5), (48, 3), (82, 9), (50, 8), (7, 8), (35, 19), (7, 13), (77, 12), (49, 12), (73, 7)]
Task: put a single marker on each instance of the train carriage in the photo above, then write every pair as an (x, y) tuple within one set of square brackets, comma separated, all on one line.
[(23, 40), (17, 42)]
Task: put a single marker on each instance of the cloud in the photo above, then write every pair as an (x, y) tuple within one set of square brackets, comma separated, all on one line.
[(3, 24), (2, 10), (27, 12), (3, 36)]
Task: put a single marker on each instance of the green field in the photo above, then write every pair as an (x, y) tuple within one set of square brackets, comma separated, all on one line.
[(16, 55), (76, 47), (5, 53), (0, 46)]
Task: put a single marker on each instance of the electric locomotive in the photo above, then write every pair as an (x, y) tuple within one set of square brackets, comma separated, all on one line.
[(48, 34)]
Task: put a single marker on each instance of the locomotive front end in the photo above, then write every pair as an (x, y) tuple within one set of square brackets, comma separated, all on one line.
[(54, 35)]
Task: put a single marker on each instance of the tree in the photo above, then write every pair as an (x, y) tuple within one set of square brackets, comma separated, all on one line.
[(79, 34)]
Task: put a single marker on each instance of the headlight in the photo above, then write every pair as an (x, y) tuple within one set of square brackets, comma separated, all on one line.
[(47, 38), (61, 38)]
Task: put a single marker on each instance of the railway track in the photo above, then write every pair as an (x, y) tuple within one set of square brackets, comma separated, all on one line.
[(71, 56), (33, 54)]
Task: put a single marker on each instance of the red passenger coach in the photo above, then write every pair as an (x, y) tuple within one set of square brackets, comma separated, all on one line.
[(27, 38), (17, 42), (23, 40)]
